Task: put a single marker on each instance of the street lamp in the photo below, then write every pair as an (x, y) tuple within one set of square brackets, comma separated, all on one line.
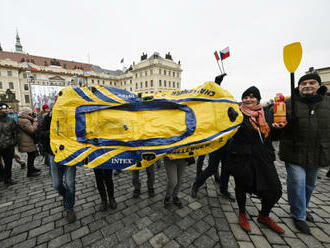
[(30, 79)]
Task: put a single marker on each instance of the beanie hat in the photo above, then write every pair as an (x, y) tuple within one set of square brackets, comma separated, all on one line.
[(309, 76), (45, 106), (3, 105), (252, 90)]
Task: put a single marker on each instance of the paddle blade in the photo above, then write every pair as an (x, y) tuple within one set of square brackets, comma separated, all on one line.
[(292, 54)]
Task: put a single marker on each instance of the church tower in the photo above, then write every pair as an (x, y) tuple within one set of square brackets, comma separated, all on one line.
[(18, 46)]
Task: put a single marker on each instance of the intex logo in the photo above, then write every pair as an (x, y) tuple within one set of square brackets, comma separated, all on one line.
[(121, 161)]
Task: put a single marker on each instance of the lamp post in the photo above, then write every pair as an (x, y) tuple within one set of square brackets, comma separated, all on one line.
[(29, 79)]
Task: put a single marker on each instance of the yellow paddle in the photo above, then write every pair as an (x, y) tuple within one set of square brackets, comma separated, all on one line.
[(292, 54)]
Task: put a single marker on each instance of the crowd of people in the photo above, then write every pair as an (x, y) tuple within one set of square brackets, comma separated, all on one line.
[(249, 156)]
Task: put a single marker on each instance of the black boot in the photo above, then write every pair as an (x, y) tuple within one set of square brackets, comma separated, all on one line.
[(226, 194), (194, 191), (33, 173), (103, 206), (328, 173), (112, 203), (177, 202), (302, 226), (9, 182), (151, 192), (167, 201), (136, 193), (35, 169)]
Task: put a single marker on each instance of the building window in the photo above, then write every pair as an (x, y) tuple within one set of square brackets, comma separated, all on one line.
[(173, 84), (169, 84), (27, 98), (141, 85), (115, 83), (136, 75), (9, 73), (146, 73), (164, 72), (136, 85), (11, 85), (177, 85), (160, 83), (160, 71), (130, 81), (98, 81), (164, 83), (92, 80), (130, 89), (151, 72), (0, 85), (173, 74), (151, 83), (146, 83), (26, 87)]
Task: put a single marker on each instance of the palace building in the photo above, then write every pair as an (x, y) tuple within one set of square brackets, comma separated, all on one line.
[(20, 70)]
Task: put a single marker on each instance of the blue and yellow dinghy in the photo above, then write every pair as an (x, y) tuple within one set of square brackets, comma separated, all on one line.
[(111, 128)]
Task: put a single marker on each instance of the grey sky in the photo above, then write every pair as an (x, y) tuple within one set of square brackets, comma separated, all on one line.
[(110, 30)]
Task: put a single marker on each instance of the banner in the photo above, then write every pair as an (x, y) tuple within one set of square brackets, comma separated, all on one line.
[(42, 94), (111, 128)]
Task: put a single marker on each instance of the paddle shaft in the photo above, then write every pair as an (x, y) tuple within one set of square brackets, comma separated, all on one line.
[(292, 96)]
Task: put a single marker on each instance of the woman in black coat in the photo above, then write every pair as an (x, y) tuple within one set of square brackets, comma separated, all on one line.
[(251, 161)]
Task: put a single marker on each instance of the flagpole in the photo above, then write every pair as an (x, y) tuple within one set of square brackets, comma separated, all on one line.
[(219, 66), (222, 67)]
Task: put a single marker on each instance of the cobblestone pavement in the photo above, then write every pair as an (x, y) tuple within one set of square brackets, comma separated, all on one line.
[(31, 215)]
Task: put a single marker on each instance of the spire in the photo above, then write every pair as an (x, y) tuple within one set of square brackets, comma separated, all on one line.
[(18, 46)]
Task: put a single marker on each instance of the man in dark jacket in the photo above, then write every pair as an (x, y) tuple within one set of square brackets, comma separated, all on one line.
[(8, 133), (59, 172), (305, 145)]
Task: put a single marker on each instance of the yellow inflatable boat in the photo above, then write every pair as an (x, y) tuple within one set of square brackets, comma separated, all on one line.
[(111, 128)]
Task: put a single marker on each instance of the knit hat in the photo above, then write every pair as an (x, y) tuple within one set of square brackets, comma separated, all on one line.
[(45, 106), (309, 76), (252, 90), (3, 105)]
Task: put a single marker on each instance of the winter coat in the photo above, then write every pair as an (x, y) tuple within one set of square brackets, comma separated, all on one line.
[(27, 128), (251, 160), (305, 141), (8, 132), (44, 132)]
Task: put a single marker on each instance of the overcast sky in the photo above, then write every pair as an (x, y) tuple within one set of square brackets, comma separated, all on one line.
[(108, 30)]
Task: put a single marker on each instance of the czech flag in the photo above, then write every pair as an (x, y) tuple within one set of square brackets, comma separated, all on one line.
[(224, 53), (31, 68)]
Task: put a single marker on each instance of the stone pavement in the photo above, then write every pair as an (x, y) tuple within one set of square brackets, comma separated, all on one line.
[(31, 215)]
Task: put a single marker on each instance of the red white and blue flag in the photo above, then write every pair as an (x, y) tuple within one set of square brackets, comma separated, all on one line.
[(224, 53), (31, 68)]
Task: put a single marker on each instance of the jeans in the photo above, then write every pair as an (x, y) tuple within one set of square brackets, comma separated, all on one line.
[(66, 189), (300, 184), (104, 183), (30, 161), (7, 154), (174, 170), (150, 181), (214, 160)]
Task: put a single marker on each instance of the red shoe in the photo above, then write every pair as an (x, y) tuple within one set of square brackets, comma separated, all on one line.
[(244, 222), (270, 223)]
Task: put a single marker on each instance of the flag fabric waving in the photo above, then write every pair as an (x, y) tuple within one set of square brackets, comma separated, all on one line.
[(122, 60), (31, 68), (224, 53), (216, 55)]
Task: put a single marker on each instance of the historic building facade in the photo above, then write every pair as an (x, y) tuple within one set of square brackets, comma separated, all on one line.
[(19, 70)]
